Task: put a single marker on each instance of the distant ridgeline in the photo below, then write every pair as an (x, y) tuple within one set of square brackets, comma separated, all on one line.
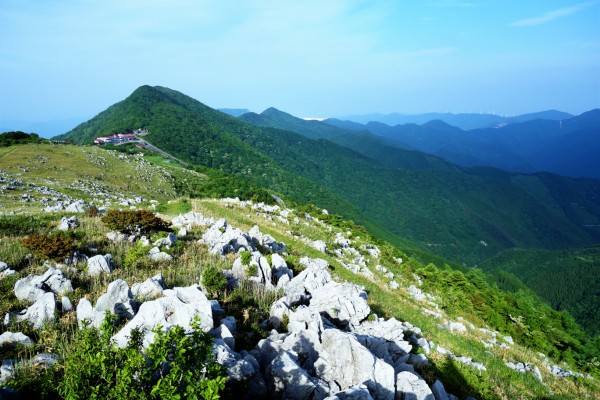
[(18, 137)]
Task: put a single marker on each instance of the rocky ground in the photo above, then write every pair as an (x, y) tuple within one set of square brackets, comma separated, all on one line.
[(323, 340)]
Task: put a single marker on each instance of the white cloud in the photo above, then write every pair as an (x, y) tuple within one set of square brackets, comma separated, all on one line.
[(552, 15)]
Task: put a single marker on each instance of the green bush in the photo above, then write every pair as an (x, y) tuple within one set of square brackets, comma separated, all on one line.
[(21, 225), (175, 366), (137, 256), (246, 257), (138, 221), (214, 281), (53, 247)]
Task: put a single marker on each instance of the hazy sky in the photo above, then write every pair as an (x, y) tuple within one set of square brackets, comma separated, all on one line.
[(312, 58)]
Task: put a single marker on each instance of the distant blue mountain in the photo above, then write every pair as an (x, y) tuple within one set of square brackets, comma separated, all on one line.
[(568, 147), (465, 121), (235, 112)]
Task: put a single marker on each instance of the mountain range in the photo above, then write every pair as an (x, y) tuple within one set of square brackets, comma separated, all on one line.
[(419, 201), (464, 121), (567, 147)]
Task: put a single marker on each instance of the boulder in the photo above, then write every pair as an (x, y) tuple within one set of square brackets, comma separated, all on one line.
[(358, 392), (168, 241), (305, 345), (319, 245), (67, 224), (190, 219), (78, 206), (15, 339), (264, 241), (100, 264), (344, 362), (179, 306), (223, 239), (117, 300), (314, 276), (116, 237), (305, 318), (7, 370), (33, 287), (410, 386), (287, 380), (38, 314), (343, 303), (438, 391), (279, 268), (244, 379), (45, 360), (222, 332), (158, 256), (150, 289), (5, 270)]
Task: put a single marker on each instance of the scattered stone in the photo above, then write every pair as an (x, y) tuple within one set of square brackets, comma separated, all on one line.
[(67, 224), (15, 339), (38, 314), (100, 264), (410, 385), (343, 303), (179, 306), (117, 300), (33, 287), (344, 362), (150, 289)]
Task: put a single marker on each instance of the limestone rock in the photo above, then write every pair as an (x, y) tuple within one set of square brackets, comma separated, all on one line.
[(150, 289), (438, 391), (223, 239), (5, 270), (117, 300), (38, 314), (67, 224), (344, 362), (358, 392), (33, 287), (343, 303), (100, 264), (15, 339), (287, 380), (410, 386), (168, 241), (179, 306)]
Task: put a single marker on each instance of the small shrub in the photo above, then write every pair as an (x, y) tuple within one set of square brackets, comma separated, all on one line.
[(21, 225), (138, 221), (214, 281), (174, 366), (91, 212), (137, 256), (246, 257), (53, 247), (251, 270)]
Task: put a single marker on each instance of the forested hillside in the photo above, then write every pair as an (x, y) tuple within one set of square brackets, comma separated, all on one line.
[(568, 279), (465, 217)]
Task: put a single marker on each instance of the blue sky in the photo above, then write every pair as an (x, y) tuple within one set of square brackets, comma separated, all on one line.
[(71, 59)]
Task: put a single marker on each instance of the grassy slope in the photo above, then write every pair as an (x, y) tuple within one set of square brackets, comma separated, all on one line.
[(82, 173)]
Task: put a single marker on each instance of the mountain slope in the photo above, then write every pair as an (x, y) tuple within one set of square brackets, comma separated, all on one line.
[(462, 216)]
